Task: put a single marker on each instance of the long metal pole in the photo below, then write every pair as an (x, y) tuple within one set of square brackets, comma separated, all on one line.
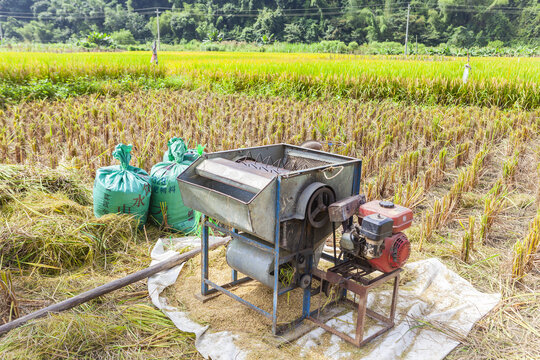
[(157, 22), (407, 28), (276, 257), (204, 260), (1, 32), (107, 288)]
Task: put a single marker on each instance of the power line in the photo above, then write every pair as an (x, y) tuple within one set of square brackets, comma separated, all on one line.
[(323, 11), (286, 12), (3, 13), (397, 5)]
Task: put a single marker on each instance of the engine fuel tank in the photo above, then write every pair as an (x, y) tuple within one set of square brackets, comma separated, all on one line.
[(402, 216)]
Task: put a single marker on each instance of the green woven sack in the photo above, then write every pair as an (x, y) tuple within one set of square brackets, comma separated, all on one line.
[(190, 153), (166, 206), (122, 188)]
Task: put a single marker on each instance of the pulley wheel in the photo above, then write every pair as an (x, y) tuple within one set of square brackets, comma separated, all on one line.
[(317, 208), (305, 281)]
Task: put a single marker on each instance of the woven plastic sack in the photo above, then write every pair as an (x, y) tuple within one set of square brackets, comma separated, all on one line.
[(122, 188), (190, 153), (166, 206)]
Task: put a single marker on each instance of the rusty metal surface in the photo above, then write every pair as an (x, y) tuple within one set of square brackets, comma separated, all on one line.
[(359, 283), (268, 169), (342, 210)]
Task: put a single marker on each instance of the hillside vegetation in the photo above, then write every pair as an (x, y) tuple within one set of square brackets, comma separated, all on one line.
[(432, 22)]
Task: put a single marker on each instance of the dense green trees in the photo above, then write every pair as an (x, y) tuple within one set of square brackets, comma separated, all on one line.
[(460, 23)]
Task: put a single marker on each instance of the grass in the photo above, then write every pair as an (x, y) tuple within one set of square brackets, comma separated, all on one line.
[(467, 243), (501, 82), (443, 208), (509, 331), (493, 204)]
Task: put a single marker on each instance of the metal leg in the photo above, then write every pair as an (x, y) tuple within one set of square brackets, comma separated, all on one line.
[(208, 287), (204, 262), (334, 242), (306, 301), (276, 259), (394, 299), (234, 272), (276, 290), (361, 315)]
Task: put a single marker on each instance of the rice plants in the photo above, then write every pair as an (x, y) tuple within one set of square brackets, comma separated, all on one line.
[(509, 169), (526, 250), (409, 195), (496, 82), (100, 123), (435, 170), (8, 299), (436, 217), (467, 178), (493, 204), (47, 230), (443, 207), (132, 330), (462, 152), (467, 242)]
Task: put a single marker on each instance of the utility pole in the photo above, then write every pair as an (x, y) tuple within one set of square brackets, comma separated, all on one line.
[(1, 32), (157, 22), (407, 29)]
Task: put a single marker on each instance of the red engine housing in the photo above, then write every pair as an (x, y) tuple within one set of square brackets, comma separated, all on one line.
[(401, 215), (397, 249)]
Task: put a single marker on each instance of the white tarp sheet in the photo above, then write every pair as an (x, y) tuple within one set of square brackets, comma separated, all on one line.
[(435, 308)]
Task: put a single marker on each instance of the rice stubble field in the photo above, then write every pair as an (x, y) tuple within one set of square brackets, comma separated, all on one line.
[(466, 158)]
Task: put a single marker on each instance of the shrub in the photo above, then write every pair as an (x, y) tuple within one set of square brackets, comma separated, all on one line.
[(495, 44), (97, 39), (123, 37)]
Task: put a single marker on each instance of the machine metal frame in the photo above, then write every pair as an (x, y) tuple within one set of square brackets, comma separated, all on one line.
[(208, 287), (358, 283)]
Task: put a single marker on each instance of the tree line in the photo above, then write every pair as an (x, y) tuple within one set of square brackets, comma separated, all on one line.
[(461, 23)]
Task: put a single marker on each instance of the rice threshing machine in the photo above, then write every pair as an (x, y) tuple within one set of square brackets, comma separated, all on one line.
[(280, 203)]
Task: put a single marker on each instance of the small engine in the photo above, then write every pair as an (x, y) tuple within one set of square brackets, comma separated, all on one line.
[(378, 238)]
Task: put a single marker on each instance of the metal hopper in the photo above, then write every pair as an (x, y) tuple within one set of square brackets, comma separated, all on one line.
[(240, 187)]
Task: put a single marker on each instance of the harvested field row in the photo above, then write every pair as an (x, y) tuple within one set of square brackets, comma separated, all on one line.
[(84, 130)]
